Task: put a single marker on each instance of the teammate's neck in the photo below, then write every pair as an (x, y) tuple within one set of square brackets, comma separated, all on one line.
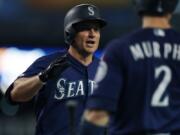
[(156, 22), (84, 59)]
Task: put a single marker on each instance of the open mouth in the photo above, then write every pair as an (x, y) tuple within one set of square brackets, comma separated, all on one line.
[(90, 42)]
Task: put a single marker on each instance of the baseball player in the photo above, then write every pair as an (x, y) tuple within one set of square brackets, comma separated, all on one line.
[(138, 91), (62, 76)]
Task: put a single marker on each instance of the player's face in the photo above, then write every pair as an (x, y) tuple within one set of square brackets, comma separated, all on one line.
[(87, 37)]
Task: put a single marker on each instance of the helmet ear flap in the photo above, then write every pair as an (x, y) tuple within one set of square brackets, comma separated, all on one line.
[(69, 36)]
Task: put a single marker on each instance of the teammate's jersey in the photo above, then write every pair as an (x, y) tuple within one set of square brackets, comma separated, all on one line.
[(140, 82), (76, 82)]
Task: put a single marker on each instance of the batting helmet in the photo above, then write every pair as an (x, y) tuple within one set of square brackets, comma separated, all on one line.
[(80, 13), (155, 7)]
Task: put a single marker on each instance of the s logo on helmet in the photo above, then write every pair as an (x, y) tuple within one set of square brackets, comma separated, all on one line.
[(91, 11)]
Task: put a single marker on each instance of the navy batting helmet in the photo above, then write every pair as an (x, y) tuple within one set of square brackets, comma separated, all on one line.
[(80, 13), (155, 7)]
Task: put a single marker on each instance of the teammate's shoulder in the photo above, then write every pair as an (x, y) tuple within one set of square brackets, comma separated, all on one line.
[(174, 31), (121, 40), (136, 34)]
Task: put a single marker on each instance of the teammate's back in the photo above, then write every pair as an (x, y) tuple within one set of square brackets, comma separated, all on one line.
[(144, 96), (149, 96)]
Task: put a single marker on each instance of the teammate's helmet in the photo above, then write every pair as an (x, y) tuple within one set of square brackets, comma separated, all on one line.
[(80, 13), (155, 7)]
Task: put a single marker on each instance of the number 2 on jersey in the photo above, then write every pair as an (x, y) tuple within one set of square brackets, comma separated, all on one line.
[(157, 100)]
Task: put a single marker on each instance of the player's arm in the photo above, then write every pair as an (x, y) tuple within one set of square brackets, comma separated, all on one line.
[(94, 122), (24, 88)]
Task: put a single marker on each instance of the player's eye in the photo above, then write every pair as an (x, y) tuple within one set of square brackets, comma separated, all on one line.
[(86, 27), (96, 28)]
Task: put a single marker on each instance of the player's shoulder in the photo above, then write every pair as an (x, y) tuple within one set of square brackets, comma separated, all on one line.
[(52, 56)]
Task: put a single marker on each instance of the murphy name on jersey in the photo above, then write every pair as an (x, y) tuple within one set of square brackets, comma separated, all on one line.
[(153, 49)]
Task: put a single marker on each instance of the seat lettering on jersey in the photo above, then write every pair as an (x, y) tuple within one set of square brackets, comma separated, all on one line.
[(147, 49), (68, 89), (91, 86), (80, 88)]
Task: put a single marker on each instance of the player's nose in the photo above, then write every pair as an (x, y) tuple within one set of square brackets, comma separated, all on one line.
[(92, 32)]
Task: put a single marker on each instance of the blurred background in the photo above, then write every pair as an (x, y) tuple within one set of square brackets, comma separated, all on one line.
[(33, 28)]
